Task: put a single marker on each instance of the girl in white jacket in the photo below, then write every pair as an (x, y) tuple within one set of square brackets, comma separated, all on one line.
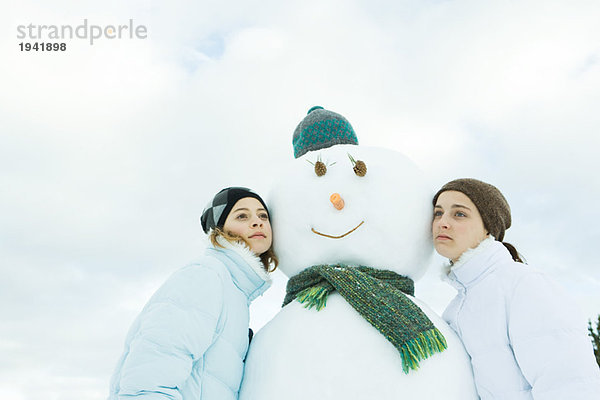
[(525, 336), (190, 340)]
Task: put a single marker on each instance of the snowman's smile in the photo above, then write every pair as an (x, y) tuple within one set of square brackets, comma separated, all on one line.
[(340, 236)]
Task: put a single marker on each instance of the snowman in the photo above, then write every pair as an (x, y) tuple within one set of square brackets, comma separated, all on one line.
[(352, 232)]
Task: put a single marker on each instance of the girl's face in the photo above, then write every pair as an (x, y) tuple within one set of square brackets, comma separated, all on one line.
[(457, 225), (249, 220)]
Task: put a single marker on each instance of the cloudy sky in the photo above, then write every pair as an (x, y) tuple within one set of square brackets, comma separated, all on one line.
[(108, 152)]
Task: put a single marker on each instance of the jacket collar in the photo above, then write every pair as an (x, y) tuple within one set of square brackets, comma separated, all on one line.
[(245, 267), (474, 264)]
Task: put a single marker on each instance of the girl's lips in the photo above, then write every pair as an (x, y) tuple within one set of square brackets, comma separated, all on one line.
[(443, 237), (258, 235)]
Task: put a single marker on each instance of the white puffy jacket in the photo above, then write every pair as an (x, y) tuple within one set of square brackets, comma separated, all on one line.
[(190, 340), (525, 336)]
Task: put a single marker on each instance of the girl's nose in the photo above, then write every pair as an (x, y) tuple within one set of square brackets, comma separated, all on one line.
[(337, 201), (443, 221)]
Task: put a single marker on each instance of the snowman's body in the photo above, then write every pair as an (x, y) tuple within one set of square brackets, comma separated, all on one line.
[(384, 223)]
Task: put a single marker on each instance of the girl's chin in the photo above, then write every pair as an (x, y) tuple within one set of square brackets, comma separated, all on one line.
[(445, 254), (258, 251)]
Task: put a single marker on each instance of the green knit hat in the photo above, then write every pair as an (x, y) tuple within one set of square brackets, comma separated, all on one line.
[(491, 204), (321, 129)]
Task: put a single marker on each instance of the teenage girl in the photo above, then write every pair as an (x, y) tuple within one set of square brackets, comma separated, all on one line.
[(190, 340), (523, 333)]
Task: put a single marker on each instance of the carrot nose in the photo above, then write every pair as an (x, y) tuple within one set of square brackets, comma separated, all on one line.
[(337, 201)]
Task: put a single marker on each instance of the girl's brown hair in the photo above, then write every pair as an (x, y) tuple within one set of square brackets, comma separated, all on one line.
[(516, 256), (268, 258)]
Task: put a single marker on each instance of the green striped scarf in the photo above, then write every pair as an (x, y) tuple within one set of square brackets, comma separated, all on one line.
[(379, 297)]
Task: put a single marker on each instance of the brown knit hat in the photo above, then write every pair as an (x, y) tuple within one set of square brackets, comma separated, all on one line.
[(491, 204)]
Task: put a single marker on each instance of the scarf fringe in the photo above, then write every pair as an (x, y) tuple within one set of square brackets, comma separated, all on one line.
[(412, 352), (379, 296), (315, 296), (423, 346)]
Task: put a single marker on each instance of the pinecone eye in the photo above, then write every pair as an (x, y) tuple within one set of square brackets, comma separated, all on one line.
[(359, 167), (320, 168)]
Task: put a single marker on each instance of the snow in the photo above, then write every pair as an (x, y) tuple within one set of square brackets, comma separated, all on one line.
[(334, 353)]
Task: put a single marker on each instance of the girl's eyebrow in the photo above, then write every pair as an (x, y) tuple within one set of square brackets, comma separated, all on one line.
[(247, 209), (460, 206), (454, 206)]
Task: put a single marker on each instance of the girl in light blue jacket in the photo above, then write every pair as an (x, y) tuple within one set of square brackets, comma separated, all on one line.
[(190, 340), (525, 336)]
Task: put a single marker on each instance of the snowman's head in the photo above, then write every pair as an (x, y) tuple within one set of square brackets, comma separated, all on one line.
[(380, 220)]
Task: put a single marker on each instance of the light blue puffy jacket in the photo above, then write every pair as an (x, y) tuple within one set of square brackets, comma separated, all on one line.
[(524, 334), (190, 340)]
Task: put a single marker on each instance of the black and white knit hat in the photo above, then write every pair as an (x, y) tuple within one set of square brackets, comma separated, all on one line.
[(321, 129), (215, 213)]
